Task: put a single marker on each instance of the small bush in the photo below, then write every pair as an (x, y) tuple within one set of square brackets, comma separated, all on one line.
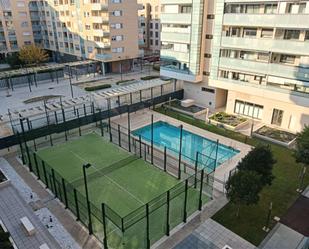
[(156, 67), (123, 81), (150, 77), (98, 87)]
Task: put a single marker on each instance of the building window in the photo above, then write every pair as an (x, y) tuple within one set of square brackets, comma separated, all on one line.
[(117, 13), (27, 42), (20, 4), (267, 33), (157, 34), (287, 59), (116, 1), (209, 37), (185, 9), (90, 49), (118, 50), (307, 35), (117, 38), (249, 32), (22, 14), (151, 25), (116, 26), (157, 26), (24, 24), (248, 109), (157, 42), (263, 57), (277, 117), (252, 8), (291, 34), (210, 16), (209, 90), (270, 8), (207, 55)]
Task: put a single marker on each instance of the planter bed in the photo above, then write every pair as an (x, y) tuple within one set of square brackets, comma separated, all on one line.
[(228, 121), (276, 136), (192, 110)]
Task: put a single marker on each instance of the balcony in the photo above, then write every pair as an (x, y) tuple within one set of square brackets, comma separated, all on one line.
[(36, 27), (103, 45), (175, 37), (99, 19), (271, 45), (167, 54), (101, 33), (35, 18), (180, 74), (298, 21), (2, 38), (176, 18), (263, 68), (176, 2), (103, 57), (33, 7), (12, 37)]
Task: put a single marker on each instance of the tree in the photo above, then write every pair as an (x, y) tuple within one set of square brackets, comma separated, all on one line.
[(32, 54), (13, 60), (244, 187), (261, 160), (301, 153)]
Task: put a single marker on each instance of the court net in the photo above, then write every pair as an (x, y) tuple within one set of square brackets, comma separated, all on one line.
[(105, 171)]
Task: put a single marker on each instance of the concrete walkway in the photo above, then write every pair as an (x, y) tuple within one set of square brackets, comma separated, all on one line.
[(12, 209), (212, 235), (46, 199)]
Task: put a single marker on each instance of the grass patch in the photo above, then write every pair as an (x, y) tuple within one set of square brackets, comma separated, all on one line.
[(151, 77), (98, 87), (5, 243), (282, 193)]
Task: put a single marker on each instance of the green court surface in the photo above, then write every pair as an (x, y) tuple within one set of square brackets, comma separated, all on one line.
[(122, 181)]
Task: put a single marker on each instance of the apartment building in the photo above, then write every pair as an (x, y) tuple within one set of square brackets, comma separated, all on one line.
[(247, 58), (150, 21), (260, 58), (15, 26), (103, 30), (186, 48)]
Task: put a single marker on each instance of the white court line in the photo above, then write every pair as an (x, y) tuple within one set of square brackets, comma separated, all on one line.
[(119, 186)]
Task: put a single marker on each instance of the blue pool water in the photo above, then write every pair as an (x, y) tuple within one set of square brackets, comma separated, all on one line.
[(168, 135)]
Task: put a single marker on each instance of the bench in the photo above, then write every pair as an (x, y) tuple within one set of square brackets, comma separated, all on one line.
[(44, 246), (25, 222)]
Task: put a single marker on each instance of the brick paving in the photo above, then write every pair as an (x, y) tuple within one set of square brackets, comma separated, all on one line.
[(12, 209)]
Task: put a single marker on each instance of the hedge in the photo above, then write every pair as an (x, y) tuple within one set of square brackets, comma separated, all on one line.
[(98, 87), (150, 77)]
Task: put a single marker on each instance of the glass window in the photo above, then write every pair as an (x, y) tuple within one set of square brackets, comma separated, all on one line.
[(263, 56), (288, 59), (249, 32), (252, 8), (248, 109), (270, 8), (307, 35), (302, 8), (291, 34), (277, 117), (267, 33)]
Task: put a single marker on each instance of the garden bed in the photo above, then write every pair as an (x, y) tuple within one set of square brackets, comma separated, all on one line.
[(276, 136), (228, 121), (192, 110), (97, 87)]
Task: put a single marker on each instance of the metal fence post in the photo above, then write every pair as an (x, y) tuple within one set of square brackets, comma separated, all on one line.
[(151, 138), (79, 130), (165, 158), (45, 175), (167, 213), (29, 159), (195, 169), (65, 128), (36, 166), (104, 226), (201, 191), (54, 181), (119, 138), (76, 205), (65, 194), (180, 147), (147, 227), (21, 149), (129, 129), (140, 145), (185, 202), (217, 153), (101, 123)]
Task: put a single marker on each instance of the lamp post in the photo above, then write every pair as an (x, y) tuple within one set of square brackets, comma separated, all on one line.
[(86, 166)]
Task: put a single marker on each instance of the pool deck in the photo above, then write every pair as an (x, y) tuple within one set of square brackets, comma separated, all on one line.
[(143, 118)]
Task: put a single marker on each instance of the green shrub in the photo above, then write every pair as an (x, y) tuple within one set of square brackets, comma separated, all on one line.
[(156, 67), (151, 77), (123, 81), (98, 87)]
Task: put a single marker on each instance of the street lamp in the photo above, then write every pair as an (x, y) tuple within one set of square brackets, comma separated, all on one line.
[(86, 166)]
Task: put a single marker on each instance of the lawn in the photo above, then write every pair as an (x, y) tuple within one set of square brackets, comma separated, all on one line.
[(282, 193)]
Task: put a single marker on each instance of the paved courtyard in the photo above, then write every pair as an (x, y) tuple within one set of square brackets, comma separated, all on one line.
[(211, 235), (12, 209)]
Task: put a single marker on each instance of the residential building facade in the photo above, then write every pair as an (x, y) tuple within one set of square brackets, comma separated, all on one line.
[(102, 30), (15, 26), (150, 17), (249, 59), (260, 58)]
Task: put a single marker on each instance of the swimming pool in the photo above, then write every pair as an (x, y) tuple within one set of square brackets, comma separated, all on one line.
[(168, 135)]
